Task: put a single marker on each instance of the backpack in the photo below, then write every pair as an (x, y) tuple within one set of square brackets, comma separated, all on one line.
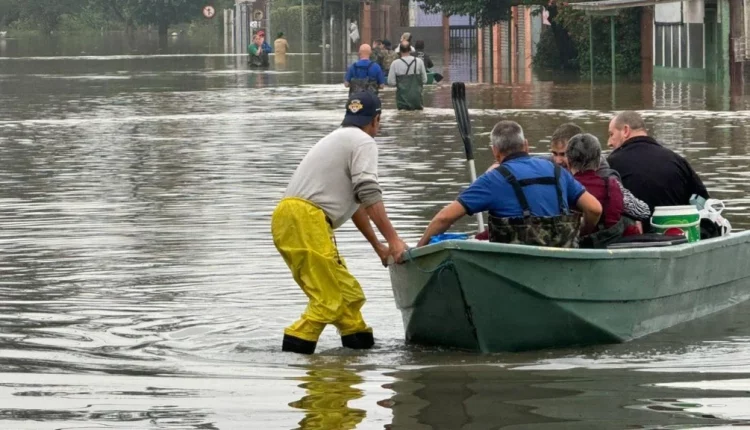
[(388, 59), (357, 84)]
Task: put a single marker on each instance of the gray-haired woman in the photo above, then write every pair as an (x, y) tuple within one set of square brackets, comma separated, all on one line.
[(583, 154)]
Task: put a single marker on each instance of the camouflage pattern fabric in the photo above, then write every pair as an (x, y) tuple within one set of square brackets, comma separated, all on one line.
[(388, 59), (377, 56), (559, 231), (364, 84), (367, 84), (603, 237)]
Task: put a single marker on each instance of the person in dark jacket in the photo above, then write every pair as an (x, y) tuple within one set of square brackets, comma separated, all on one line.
[(419, 46), (653, 173)]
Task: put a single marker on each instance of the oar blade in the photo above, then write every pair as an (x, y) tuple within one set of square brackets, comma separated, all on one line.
[(458, 97)]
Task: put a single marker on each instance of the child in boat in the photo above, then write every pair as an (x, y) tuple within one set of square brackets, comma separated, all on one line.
[(583, 156)]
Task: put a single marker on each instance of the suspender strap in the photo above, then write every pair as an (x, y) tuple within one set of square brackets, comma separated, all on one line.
[(561, 204), (517, 189), (408, 66), (367, 69), (548, 180)]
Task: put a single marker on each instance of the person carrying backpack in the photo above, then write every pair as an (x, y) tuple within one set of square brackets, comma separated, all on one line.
[(364, 75), (389, 56)]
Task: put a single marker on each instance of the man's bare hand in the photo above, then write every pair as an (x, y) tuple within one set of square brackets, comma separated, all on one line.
[(383, 252), (397, 250)]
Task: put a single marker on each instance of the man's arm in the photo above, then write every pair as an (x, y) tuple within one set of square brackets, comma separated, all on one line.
[(396, 246), (592, 211), (364, 166), (424, 71), (362, 221), (442, 221)]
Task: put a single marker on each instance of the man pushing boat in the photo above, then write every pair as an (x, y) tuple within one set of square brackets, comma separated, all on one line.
[(336, 181)]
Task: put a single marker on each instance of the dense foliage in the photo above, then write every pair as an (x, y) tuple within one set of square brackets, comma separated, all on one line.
[(46, 15), (486, 12), (565, 44)]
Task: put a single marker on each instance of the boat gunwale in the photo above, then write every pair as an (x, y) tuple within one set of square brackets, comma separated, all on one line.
[(675, 251)]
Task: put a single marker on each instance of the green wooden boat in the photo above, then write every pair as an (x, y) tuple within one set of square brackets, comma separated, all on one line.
[(495, 297)]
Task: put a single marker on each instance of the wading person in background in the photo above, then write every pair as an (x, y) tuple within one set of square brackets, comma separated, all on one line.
[(264, 43), (257, 56), (389, 56), (364, 74), (406, 39), (583, 159), (529, 199), (653, 173), (378, 53), (336, 181), (408, 75), (280, 46), (419, 53)]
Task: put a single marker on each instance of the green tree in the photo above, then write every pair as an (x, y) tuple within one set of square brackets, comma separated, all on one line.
[(161, 13), (164, 13), (486, 12), (10, 12), (46, 14)]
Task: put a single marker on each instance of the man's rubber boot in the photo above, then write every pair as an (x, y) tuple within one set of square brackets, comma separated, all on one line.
[(295, 344), (362, 340)]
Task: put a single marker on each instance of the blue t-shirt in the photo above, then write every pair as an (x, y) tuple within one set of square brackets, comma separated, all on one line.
[(359, 70), (492, 192)]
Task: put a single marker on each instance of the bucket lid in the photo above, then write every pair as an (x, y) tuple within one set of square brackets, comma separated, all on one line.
[(676, 209)]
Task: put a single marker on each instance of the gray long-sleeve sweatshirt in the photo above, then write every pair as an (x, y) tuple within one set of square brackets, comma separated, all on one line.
[(339, 174)]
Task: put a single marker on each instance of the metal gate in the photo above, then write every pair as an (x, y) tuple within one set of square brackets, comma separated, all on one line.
[(463, 37)]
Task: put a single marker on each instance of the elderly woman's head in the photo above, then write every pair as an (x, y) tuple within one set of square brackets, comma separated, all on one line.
[(584, 153)]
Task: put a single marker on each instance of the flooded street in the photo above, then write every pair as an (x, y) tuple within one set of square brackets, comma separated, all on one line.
[(139, 285)]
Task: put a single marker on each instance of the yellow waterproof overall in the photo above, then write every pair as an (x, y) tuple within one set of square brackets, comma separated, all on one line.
[(304, 238)]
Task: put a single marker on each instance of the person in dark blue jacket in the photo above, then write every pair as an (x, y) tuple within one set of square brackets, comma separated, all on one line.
[(364, 75), (264, 43)]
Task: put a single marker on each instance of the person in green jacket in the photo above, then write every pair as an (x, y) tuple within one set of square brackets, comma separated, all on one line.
[(258, 57)]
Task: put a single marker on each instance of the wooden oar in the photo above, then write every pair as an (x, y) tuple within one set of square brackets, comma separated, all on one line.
[(458, 96)]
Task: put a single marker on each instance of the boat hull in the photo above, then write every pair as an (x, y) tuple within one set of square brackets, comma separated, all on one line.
[(496, 297)]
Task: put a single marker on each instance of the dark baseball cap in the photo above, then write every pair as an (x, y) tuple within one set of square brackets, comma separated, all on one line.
[(361, 108)]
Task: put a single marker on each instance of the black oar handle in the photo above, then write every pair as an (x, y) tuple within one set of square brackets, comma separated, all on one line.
[(458, 96)]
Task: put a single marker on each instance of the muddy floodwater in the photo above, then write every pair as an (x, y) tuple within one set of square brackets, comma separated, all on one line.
[(140, 289)]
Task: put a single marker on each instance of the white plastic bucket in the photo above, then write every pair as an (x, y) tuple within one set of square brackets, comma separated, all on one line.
[(684, 218)]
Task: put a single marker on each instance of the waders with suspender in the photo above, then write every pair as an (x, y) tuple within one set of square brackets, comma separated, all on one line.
[(560, 231), (409, 88)]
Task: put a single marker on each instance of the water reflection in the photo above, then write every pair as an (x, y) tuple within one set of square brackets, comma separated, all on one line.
[(328, 391), (494, 397)]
